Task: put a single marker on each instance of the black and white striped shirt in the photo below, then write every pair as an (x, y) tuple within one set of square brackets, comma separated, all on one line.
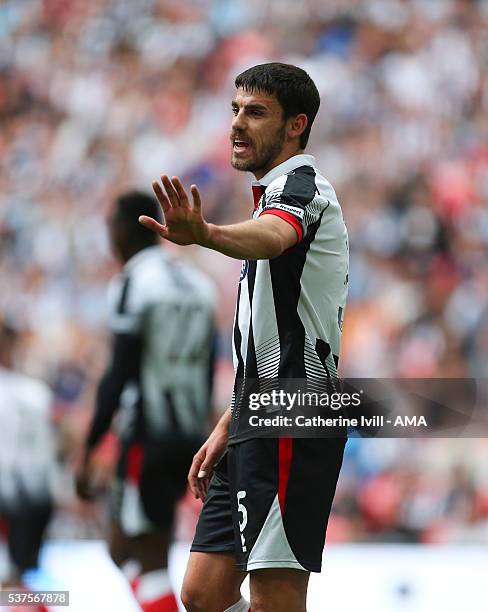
[(288, 319), (159, 376)]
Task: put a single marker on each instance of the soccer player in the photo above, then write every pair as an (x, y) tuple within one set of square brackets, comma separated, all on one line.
[(27, 461), (159, 380), (267, 501)]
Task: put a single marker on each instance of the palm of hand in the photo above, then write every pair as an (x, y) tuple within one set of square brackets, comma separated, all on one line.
[(185, 226)]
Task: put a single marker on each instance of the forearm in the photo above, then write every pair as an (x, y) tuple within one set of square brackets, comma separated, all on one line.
[(108, 394), (248, 240), (124, 366), (224, 423), (220, 433)]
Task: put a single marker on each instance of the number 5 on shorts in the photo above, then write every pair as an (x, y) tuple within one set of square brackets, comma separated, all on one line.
[(242, 524)]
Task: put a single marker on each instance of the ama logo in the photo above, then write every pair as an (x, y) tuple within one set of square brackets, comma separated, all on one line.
[(244, 270)]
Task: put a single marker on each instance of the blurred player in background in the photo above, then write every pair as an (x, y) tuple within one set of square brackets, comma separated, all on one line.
[(27, 461), (159, 380), (267, 506)]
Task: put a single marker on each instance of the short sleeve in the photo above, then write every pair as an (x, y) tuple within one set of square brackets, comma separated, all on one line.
[(292, 197), (125, 309)]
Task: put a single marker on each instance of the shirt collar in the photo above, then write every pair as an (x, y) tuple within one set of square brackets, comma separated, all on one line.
[(141, 256), (287, 166)]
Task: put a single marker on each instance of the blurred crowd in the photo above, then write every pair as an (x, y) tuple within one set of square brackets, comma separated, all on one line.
[(96, 97)]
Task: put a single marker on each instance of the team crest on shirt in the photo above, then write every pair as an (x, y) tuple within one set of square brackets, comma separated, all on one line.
[(244, 270)]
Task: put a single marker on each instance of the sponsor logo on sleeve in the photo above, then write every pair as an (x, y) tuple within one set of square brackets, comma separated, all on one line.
[(294, 210)]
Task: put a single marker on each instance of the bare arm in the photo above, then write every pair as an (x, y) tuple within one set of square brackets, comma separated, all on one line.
[(263, 238)]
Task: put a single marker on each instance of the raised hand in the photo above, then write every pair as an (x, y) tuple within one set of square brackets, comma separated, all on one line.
[(184, 224)]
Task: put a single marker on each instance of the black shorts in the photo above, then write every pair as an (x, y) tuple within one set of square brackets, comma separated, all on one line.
[(150, 479), (26, 524), (269, 502)]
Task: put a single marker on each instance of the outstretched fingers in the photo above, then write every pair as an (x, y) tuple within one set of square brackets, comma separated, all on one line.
[(197, 201), (180, 191), (183, 197), (174, 195), (161, 196), (171, 192)]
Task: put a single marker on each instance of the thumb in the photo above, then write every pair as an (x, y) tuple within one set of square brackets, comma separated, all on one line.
[(206, 468), (151, 224)]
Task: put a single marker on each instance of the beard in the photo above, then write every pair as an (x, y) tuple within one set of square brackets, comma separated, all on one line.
[(263, 157)]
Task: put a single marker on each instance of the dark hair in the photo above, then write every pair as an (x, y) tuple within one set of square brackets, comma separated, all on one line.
[(129, 207), (293, 88)]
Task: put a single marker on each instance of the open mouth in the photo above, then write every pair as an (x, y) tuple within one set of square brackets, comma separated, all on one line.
[(240, 146)]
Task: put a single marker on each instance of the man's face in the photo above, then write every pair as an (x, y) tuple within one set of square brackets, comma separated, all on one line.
[(258, 131)]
